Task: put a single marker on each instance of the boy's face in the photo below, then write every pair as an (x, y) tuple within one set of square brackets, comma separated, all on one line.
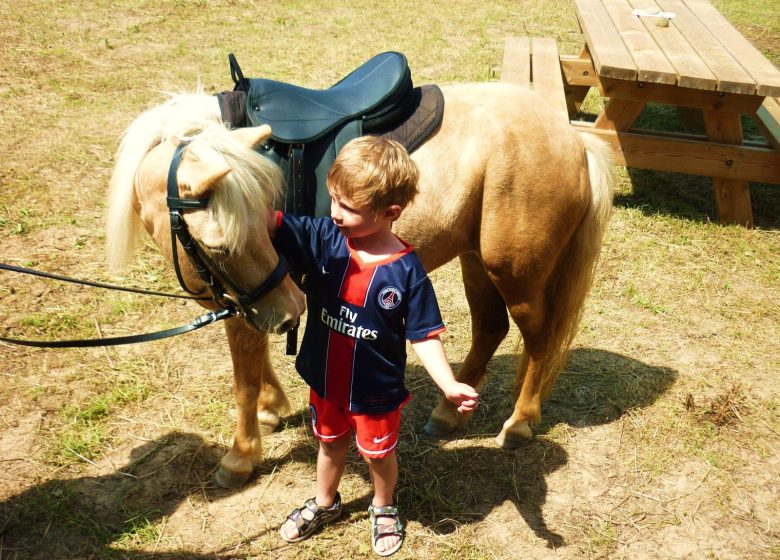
[(355, 221)]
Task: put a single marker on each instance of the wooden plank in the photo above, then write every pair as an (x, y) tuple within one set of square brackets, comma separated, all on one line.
[(578, 71), (578, 77), (732, 196), (547, 76), (767, 77), (652, 65), (681, 97), (619, 114), (691, 70), (679, 155), (517, 61), (610, 55), (768, 120), (727, 70)]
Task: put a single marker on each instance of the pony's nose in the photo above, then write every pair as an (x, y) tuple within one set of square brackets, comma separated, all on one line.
[(287, 326)]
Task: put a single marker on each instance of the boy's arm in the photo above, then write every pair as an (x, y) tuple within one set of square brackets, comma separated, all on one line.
[(273, 222), (298, 241), (431, 354)]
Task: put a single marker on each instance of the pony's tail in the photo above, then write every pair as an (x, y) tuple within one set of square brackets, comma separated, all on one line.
[(572, 278)]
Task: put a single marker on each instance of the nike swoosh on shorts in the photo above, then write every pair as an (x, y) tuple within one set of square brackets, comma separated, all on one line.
[(380, 440)]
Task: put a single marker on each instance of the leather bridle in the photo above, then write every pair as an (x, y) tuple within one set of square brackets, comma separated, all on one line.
[(236, 298)]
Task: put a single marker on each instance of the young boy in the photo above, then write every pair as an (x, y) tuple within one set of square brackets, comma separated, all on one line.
[(366, 294)]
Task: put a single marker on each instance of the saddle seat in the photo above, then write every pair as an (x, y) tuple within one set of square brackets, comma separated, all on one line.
[(299, 115), (309, 127)]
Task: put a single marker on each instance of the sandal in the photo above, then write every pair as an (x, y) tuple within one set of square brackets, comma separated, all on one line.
[(321, 516), (379, 530)]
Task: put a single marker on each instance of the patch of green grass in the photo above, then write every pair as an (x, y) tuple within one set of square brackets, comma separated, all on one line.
[(140, 530), (213, 415), (85, 431), (600, 538), (50, 322), (640, 298), (18, 224)]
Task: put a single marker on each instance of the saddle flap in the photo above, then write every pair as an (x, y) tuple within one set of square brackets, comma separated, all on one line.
[(300, 115)]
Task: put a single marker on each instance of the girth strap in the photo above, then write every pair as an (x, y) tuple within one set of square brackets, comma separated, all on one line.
[(297, 172)]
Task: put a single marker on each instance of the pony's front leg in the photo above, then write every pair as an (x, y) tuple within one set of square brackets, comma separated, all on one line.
[(259, 402), (489, 326)]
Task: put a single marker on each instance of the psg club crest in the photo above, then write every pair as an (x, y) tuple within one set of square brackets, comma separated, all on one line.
[(389, 298)]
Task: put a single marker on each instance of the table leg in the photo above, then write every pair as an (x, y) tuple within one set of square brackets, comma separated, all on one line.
[(619, 114), (575, 94), (732, 197)]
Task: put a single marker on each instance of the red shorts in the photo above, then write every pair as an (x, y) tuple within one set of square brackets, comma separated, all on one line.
[(376, 435)]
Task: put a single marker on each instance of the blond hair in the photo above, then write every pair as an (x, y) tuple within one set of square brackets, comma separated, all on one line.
[(374, 173)]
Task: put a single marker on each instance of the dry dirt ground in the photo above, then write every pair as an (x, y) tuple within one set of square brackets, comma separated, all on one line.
[(660, 440)]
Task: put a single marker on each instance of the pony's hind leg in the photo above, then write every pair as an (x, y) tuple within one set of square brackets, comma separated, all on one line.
[(527, 411), (252, 378), (489, 326), (536, 369)]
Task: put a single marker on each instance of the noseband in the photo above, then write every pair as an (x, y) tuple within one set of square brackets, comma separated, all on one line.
[(207, 269)]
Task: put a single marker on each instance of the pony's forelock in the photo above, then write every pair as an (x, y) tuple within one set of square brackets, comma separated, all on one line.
[(245, 194)]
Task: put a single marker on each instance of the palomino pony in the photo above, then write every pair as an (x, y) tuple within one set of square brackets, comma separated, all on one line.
[(506, 186)]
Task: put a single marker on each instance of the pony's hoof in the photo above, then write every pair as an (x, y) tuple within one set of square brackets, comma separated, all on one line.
[(229, 479), (267, 422), (514, 439), (438, 429)]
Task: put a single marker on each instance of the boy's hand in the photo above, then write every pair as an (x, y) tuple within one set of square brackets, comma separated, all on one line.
[(462, 395)]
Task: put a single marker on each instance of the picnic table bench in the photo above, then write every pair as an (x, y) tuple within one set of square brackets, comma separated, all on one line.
[(682, 53)]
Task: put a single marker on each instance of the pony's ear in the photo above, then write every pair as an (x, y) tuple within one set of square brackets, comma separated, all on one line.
[(252, 136), (197, 178)]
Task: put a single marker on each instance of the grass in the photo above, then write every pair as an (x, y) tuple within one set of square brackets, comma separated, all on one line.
[(624, 464), (85, 430)]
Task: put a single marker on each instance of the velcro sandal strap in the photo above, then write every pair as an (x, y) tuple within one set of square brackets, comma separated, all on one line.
[(296, 517), (389, 511), (312, 506), (380, 530)]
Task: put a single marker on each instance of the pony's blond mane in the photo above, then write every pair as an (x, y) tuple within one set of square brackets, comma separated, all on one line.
[(252, 185)]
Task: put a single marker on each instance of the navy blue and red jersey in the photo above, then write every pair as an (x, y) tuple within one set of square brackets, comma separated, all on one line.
[(359, 315)]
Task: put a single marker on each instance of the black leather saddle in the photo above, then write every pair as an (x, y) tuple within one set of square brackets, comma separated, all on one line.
[(309, 127)]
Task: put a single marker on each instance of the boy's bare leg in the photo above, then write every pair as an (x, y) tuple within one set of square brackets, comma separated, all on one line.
[(331, 461), (384, 475)]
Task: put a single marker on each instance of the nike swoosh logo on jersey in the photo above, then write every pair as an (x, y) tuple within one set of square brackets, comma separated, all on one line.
[(380, 440)]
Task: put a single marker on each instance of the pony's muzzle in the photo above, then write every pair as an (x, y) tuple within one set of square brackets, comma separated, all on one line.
[(287, 326)]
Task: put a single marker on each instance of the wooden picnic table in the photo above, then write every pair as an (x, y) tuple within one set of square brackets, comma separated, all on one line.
[(689, 57)]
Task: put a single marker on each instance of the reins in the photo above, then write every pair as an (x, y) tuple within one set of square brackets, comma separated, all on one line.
[(32, 272), (197, 323)]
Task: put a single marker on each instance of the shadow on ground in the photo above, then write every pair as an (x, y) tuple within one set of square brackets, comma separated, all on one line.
[(81, 517), (463, 485), (441, 486), (693, 198)]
